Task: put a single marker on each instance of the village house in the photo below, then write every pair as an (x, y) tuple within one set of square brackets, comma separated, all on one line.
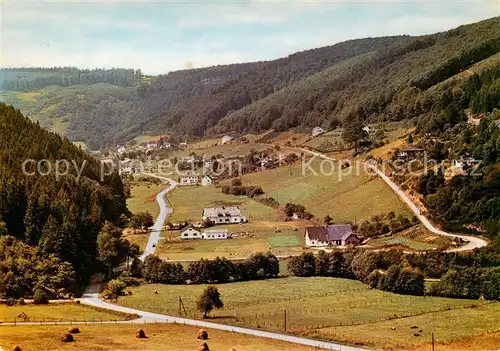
[(188, 179), (226, 139), (121, 149), (223, 215), (463, 163), (331, 235), (475, 121), (317, 131), (206, 180), (183, 145), (214, 234), (369, 129), (411, 153), (190, 232)]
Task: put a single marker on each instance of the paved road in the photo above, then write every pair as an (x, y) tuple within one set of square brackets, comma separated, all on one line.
[(91, 297), (164, 212), (472, 241)]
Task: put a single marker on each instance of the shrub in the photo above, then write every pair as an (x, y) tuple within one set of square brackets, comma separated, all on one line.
[(17, 348), (21, 302), (74, 330), (140, 334), (67, 338), (10, 301), (202, 334), (40, 297)]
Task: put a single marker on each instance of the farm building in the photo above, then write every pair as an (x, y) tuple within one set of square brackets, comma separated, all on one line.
[(223, 215), (190, 232), (188, 179), (411, 153), (317, 131), (206, 180), (331, 235), (226, 139), (212, 234)]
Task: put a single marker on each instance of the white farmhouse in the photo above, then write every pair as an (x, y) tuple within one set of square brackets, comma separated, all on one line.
[(331, 235), (206, 180), (317, 131), (226, 139), (188, 179), (223, 215), (214, 234), (189, 232)]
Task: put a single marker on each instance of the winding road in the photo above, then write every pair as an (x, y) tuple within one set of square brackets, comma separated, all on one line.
[(472, 241), (154, 237)]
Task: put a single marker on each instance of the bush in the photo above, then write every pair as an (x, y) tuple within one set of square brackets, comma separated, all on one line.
[(140, 334), (67, 338), (17, 348), (202, 334), (74, 330), (40, 297), (10, 301), (21, 302)]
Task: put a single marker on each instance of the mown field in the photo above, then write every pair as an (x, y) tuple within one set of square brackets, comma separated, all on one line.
[(347, 195), (414, 238), (58, 312), (143, 198), (225, 150), (329, 308), (165, 337), (265, 230)]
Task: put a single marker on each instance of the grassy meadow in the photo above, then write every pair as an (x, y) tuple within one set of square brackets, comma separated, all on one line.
[(415, 238), (266, 229), (165, 337), (329, 308), (345, 197), (58, 312)]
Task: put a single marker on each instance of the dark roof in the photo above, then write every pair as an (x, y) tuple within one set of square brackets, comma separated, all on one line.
[(188, 227), (412, 148), (330, 232)]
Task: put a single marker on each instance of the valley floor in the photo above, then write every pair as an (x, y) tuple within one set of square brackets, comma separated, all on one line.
[(332, 309)]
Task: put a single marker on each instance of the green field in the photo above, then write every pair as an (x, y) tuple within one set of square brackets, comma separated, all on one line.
[(225, 150), (414, 238), (264, 224), (143, 198), (345, 197), (323, 305), (59, 312)]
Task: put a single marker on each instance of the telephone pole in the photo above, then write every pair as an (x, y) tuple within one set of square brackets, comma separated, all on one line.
[(432, 341), (284, 318)]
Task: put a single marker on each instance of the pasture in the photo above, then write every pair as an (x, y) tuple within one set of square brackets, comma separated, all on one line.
[(347, 195), (165, 337), (414, 238), (143, 198), (65, 311), (266, 229), (329, 308)]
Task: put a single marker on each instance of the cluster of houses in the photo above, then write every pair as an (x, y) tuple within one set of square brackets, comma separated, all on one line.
[(194, 179)]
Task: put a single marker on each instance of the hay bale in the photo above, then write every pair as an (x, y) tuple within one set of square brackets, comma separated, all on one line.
[(202, 334), (17, 348), (74, 330), (203, 347), (67, 338), (140, 334)]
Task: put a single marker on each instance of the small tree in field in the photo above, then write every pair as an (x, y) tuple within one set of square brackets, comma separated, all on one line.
[(209, 300)]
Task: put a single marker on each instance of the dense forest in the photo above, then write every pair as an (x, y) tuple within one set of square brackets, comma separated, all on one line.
[(371, 79), (55, 221), (26, 79)]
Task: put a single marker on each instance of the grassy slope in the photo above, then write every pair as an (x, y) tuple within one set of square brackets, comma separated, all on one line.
[(165, 337), (58, 312), (345, 197), (316, 304)]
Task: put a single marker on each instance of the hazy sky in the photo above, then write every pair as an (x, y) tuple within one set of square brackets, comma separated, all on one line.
[(163, 36)]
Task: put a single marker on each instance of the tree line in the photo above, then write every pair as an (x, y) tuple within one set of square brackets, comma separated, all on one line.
[(220, 270), (25, 79)]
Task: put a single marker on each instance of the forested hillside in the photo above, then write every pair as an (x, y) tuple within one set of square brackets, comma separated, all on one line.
[(372, 79), (379, 86), (56, 221)]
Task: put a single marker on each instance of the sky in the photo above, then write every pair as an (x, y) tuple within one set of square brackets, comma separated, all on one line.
[(162, 36)]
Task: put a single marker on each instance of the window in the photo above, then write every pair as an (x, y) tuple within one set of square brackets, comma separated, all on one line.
[(185, 234)]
